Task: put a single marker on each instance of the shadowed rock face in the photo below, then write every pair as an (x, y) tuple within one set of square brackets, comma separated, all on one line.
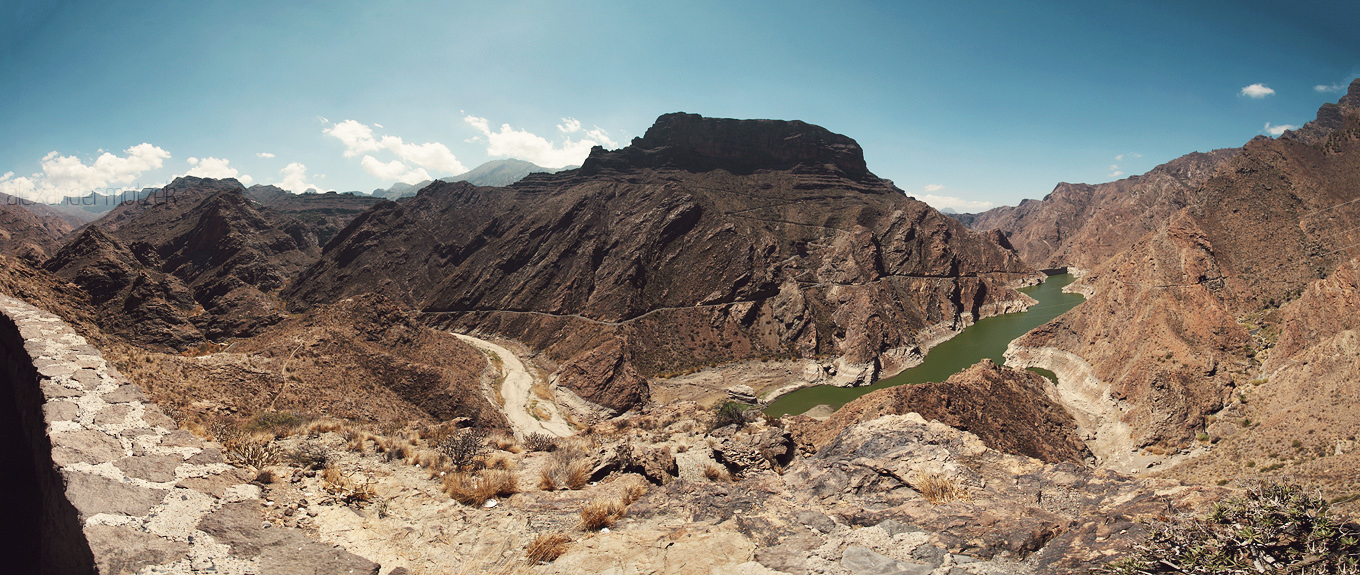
[(29, 230), (197, 242), (706, 241)]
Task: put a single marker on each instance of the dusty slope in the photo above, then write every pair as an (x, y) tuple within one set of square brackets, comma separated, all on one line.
[(705, 241), (1178, 324), (1082, 225), (362, 359)]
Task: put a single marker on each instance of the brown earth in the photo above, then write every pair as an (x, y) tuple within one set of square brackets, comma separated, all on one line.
[(1181, 322), (29, 230), (705, 241), (1082, 225), (362, 359), (1008, 409)]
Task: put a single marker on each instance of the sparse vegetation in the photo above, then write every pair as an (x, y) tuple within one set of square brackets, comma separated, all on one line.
[(1273, 528), (937, 488), (310, 456), (566, 469), (476, 488), (730, 413), (601, 513), (540, 442), (464, 449), (547, 548), (716, 473)]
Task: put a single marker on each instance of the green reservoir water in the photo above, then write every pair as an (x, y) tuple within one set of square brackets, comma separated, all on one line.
[(986, 338)]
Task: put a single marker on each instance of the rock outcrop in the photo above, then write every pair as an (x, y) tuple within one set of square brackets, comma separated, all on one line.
[(1008, 409), (1081, 225), (103, 481), (324, 214), (706, 241)]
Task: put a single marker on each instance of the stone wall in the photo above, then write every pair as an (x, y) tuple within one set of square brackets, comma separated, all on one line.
[(104, 482)]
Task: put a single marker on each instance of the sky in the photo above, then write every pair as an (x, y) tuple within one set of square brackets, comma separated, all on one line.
[(966, 105)]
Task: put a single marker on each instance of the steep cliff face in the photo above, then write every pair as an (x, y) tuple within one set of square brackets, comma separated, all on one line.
[(1081, 225), (195, 243), (1179, 322), (703, 242)]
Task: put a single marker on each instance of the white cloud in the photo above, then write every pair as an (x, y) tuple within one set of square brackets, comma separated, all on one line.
[(394, 170), (1326, 88), (509, 142), (942, 202), (68, 175), (1114, 170), (295, 178), (1120, 157), (1277, 130), (359, 139), (1257, 91), (264, 155), (216, 168)]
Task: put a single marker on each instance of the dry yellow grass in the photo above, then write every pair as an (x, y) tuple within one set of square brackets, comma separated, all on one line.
[(716, 473), (566, 469), (937, 488), (601, 513), (547, 548), (476, 488)]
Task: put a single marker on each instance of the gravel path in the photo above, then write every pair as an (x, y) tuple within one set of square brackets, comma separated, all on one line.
[(517, 391)]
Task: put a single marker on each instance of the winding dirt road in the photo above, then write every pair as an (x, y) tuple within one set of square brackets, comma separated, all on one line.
[(517, 390)]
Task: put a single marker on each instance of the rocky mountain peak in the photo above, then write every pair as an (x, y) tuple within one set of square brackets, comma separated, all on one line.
[(1330, 117), (694, 143)]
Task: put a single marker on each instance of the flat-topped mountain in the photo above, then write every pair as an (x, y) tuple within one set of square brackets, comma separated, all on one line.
[(705, 241)]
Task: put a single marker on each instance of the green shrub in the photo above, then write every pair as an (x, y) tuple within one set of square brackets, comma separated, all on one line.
[(730, 413), (1273, 528)]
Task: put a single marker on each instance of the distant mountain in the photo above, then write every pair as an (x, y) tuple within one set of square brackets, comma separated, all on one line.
[(496, 173), (325, 214), (81, 210), (30, 230), (707, 241)]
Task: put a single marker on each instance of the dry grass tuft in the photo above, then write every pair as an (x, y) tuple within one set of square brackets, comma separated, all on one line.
[(265, 477), (601, 513), (500, 461), (547, 548), (937, 488), (504, 442), (321, 426), (344, 488), (566, 469), (475, 488), (634, 490), (716, 473)]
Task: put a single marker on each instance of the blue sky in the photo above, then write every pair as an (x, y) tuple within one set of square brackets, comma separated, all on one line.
[(974, 104)]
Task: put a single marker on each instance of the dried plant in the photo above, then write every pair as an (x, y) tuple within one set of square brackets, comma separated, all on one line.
[(540, 442), (476, 488), (547, 548), (937, 488), (566, 469), (716, 473), (1274, 528), (600, 513), (464, 449), (504, 442)]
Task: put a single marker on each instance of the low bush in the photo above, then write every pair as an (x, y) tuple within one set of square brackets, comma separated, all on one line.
[(464, 448), (540, 442), (730, 413), (1273, 528)]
